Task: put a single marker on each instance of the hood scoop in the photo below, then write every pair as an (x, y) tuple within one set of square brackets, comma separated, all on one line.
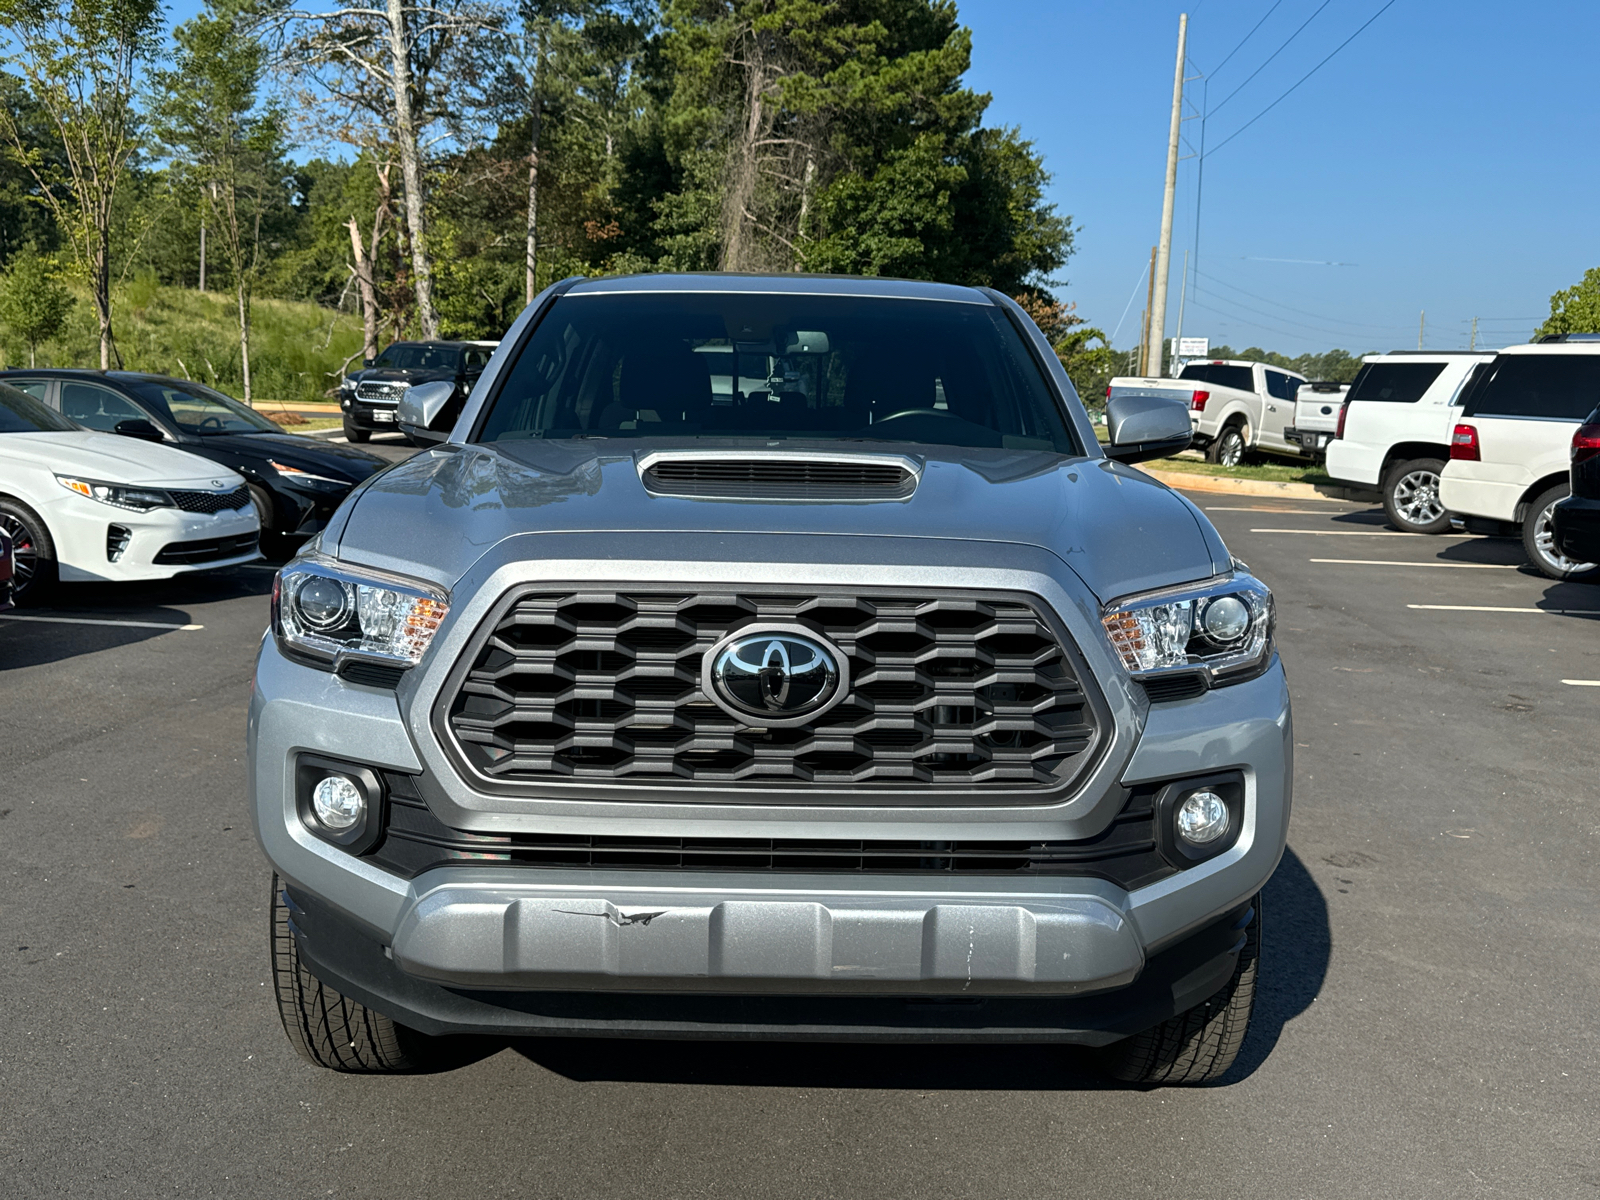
[(780, 475)]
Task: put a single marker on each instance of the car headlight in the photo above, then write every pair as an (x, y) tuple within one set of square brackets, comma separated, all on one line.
[(328, 611), (1221, 628), (296, 475), (139, 499)]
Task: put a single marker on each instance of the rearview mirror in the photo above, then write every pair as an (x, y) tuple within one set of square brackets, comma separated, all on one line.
[(138, 427), (420, 406), (1146, 427)]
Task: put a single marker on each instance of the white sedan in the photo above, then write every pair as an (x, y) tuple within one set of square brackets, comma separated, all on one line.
[(86, 506)]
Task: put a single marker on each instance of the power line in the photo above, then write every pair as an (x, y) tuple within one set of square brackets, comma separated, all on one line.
[(1247, 36), (1303, 312), (1272, 56), (1302, 78), (1278, 316)]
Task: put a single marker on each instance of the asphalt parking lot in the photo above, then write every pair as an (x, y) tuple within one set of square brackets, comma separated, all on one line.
[(1432, 947)]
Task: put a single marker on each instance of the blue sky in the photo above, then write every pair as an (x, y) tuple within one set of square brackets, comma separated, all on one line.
[(1447, 153)]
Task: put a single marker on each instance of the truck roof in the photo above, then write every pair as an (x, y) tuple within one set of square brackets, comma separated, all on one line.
[(788, 284)]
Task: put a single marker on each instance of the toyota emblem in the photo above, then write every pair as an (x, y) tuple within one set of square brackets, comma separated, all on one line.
[(775, 675)]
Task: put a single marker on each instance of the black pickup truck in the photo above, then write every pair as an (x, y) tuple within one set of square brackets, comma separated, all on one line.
[(368, 397)]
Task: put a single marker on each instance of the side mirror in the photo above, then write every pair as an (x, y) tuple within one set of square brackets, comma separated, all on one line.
[(420, 407), (1146, 427), (367, 362), (138, 427)]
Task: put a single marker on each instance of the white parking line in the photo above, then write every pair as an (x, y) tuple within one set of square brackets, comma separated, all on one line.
[(97, 621), (1475, 608), (1288, 512), (1581, 682), (1361, 533), (1385, 562)]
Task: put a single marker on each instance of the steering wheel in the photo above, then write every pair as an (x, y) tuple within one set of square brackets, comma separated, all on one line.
[(211, 423), (919, 412)]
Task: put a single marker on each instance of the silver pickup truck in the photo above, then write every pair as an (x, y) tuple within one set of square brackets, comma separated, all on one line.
[(771, 658)]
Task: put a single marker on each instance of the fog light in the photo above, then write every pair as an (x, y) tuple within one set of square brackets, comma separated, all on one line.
[(1202, 818), (339, 804)]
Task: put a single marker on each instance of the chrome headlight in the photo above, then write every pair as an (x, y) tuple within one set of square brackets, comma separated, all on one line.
[(119, 495), (1222, 628), (326, 610)]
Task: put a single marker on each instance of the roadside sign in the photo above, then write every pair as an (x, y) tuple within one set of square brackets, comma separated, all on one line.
[(1192, 347)]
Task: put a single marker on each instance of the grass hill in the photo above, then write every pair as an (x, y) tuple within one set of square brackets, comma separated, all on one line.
[(296, 348)]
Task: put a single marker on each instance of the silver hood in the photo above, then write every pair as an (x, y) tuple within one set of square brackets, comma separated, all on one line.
[(437, 514)]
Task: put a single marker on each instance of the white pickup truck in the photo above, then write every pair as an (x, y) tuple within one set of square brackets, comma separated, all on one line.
[(1234, 407), (1316, 416)]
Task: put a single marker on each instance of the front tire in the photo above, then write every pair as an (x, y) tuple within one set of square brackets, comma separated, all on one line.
[(36, 569), (1411, 497), (1539, 540), (358, 436), (1198, 1046), (328, 1028), (1228, 450)]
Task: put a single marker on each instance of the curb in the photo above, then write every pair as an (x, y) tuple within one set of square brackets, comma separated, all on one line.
[(1184, 481)]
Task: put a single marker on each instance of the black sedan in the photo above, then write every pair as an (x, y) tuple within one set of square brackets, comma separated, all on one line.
[(296, 482), (1576, 520)]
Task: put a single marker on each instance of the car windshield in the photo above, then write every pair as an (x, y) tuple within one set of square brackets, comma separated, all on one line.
[(751, 365), (195, 408), (21, 413), (410, 356)]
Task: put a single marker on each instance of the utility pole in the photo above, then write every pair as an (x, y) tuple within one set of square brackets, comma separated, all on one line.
[(1422, 324), (1473, 344), (1183, 294), (1158, 303), (1144, 336)]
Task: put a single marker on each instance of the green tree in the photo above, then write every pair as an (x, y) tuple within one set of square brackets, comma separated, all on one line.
[(210, 115), (34, 304), (79, 59), (836, 135), (1575, 309)]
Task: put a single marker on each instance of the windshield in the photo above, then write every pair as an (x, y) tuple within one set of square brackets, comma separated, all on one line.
[(409, 356), (742, 365), (195, 408), (21, 413)]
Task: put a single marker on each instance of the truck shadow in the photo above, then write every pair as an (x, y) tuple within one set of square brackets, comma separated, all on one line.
[(1295, 955)]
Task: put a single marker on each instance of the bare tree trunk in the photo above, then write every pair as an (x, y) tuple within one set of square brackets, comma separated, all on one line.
[(101, 286), (738, 246), (533, 200), (806, 182), (368, 293), (244, 338), (405, 133)]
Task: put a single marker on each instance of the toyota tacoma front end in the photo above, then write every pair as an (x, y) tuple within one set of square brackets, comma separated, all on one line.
[(772, 658)]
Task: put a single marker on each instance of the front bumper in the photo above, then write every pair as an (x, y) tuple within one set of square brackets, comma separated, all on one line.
[(451, 948), (360, 966), (160, 544), (1577, 528), (377, 418)]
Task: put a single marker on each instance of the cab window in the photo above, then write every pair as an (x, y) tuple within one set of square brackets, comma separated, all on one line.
[(98, 407)]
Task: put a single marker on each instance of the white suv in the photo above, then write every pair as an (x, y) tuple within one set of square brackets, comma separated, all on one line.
[(1511, 449), (1394, 431)]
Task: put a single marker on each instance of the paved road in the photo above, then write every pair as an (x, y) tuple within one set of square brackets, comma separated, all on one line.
[(1427, 1026)]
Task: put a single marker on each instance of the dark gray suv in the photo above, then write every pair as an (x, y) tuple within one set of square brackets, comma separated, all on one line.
[(772, 658)]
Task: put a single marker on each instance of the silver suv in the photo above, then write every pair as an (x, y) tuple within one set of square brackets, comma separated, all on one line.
[(772, 658)]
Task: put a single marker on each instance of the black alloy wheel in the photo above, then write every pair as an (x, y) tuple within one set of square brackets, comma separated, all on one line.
[(33, 552)]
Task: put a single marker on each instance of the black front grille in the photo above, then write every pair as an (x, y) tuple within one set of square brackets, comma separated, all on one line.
[(415, 841), (960, 691), (211, 502), (213, 550), (780, 478)]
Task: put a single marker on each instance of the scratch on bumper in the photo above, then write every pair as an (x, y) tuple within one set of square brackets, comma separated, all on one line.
[(470, 936)]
